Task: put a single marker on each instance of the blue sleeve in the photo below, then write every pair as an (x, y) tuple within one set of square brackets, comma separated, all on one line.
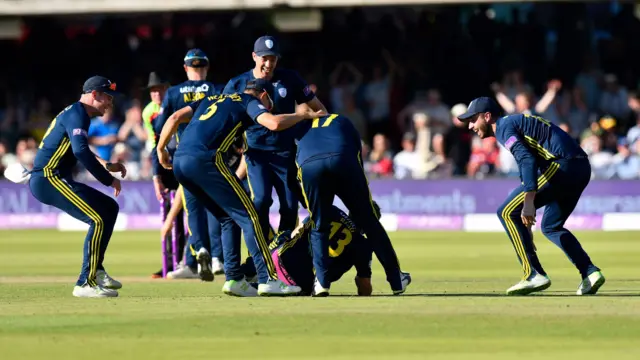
[(301, 90), (93, 129), (255, 109), (230, 88), (78, 136), (513, 142), (194, 105), (165, 111)]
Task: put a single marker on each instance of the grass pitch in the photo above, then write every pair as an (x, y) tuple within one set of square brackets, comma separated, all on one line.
[(454, 309)]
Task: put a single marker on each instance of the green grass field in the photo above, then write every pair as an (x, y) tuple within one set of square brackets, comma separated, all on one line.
[(454, 309)]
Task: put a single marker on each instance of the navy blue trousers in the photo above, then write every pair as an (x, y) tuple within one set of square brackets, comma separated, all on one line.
[(266, 171), (342, 175), (559, 189), (87, 205), (222, 193)]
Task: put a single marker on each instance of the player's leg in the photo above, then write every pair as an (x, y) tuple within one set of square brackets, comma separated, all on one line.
[(353, 190), (573, 178), (259, 178), (101, 219), (318, 190), (281, 167), (198, 244), (215, 237)]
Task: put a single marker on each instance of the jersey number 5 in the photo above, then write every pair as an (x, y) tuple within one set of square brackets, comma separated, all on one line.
[(343, 242), (326, 123), (211, 109)]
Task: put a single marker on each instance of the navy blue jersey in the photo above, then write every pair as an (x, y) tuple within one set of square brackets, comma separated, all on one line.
[(329, 134), (66, 142), (217, 120), (347, 248), (289, 89), (175, 99), (535, 142)]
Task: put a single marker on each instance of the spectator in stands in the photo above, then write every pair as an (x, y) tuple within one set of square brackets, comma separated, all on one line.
[(522, 102), (457, 141), (601, 161), (588, 81), (354, 114), (634, 133), (103, 133), (376, 93), (484, 158), (614, 99), (343, 84), (429, 103), (381, 157), (40, 120), (626, 163), (574, 110), (132, 132), (407, 161)]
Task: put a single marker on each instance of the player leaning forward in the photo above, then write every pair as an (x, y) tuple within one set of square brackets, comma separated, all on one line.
[(537, 144), (200, 167)]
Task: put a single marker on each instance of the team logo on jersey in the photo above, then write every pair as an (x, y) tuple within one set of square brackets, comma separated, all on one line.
[(80, 132), (260, 106), (282, 92), (269, 43), (510, 141)]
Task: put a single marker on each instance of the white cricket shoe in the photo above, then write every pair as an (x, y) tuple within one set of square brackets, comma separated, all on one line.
[(183, 272), (318, 290), (525, 287), (591, 284), (204, 265), (217, 266), (97, 291), (406, 280), (103, 279), (239, 288), (277, 288)]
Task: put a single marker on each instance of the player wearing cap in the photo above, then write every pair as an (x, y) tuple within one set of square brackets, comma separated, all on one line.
[(200, 167), (348, 248), (196, 66), (51, 183), (330, 164), (269, 156), (537, 144)]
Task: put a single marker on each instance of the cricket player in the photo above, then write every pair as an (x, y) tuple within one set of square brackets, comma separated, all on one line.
[(347, 248), (538, 145), (269, 156), (51, 182), (196, 65), (200, 167), (329, 164)]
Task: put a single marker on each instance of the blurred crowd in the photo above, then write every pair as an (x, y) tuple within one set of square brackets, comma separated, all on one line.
[(402, 75)]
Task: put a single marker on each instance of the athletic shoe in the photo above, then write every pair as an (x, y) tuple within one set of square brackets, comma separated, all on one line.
[(157, 274), (533, 284), (97, 291), (318, 290), (183, 272), (591, 284), (277, 288), (239, 288), (103, 279), (204, 265), (406, 280), (217, 266)]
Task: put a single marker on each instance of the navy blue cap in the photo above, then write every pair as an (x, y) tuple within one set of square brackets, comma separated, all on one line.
[(480, 105), (260, 85), (196, 58), (99, 83), (266, 45)]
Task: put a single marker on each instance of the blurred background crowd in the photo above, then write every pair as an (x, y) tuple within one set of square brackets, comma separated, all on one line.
[(401, 74)]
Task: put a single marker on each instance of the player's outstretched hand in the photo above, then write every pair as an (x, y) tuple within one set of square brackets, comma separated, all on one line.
[(163, 157), (116, 187), (117, 167)]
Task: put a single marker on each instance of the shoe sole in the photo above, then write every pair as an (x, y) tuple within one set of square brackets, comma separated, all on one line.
[(205, 273), (595, 287), (219, 272), (322, 294), (277, 295), (527, 291)]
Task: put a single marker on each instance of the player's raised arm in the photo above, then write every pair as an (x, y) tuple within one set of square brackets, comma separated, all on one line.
[(306, 97)]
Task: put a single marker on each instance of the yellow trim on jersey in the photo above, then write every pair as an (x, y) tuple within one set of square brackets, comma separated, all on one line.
[(94, 244), (544, 153), (55, 159), (246, 201), (511, 226)]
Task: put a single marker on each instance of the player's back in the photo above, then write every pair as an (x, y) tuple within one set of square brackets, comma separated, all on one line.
[(215, 124), (331, 134), (546, 140), (181, 95), (54, 156)]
